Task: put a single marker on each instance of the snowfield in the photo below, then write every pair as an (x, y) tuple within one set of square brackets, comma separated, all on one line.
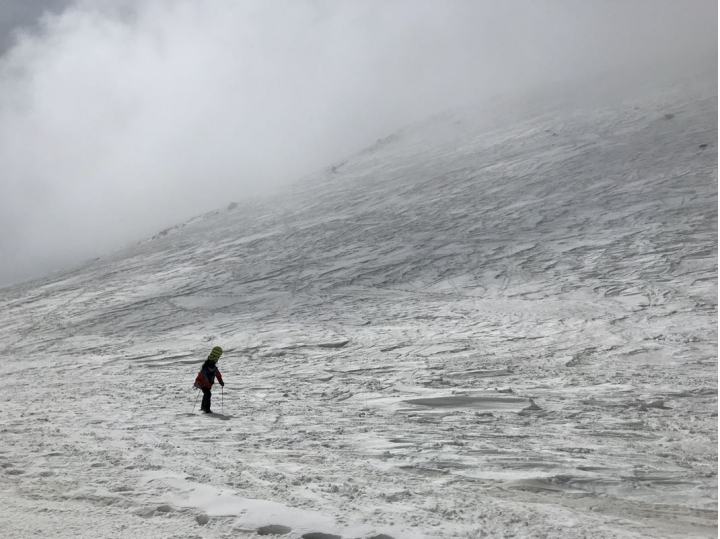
[(467, 330)]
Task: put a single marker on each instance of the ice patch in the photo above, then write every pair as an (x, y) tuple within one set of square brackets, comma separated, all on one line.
[(251, 514), (485, 402)]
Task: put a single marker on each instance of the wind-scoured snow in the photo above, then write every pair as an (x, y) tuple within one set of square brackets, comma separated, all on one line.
[(464, 331)]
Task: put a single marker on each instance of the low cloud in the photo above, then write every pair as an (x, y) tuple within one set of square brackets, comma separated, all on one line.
[(120, 118)]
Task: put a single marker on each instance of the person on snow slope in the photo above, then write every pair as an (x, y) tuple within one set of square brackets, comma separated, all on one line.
[(206, 378)]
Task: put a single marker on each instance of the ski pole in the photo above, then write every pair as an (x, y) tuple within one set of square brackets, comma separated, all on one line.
[(222, 403), (196, 398)]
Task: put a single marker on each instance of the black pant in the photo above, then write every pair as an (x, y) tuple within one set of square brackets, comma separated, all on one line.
[(206, 398)]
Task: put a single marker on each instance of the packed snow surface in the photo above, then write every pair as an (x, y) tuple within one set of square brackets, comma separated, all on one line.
[(471, 329)]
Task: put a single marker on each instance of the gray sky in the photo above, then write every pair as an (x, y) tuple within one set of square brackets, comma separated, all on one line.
[(121, 117), (23, 14)]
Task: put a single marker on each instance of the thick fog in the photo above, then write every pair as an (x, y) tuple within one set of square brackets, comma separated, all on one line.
[(118, 118)]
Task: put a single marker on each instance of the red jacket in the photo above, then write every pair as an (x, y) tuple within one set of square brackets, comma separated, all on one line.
[(207, 374)]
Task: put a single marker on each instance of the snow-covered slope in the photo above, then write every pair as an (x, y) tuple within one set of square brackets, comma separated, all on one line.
[(464, 331)]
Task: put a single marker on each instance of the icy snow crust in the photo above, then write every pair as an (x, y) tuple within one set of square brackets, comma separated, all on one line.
[(461, 332)]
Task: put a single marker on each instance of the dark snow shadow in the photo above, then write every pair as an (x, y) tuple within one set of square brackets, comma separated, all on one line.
[(222, 417), (273, 529)]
